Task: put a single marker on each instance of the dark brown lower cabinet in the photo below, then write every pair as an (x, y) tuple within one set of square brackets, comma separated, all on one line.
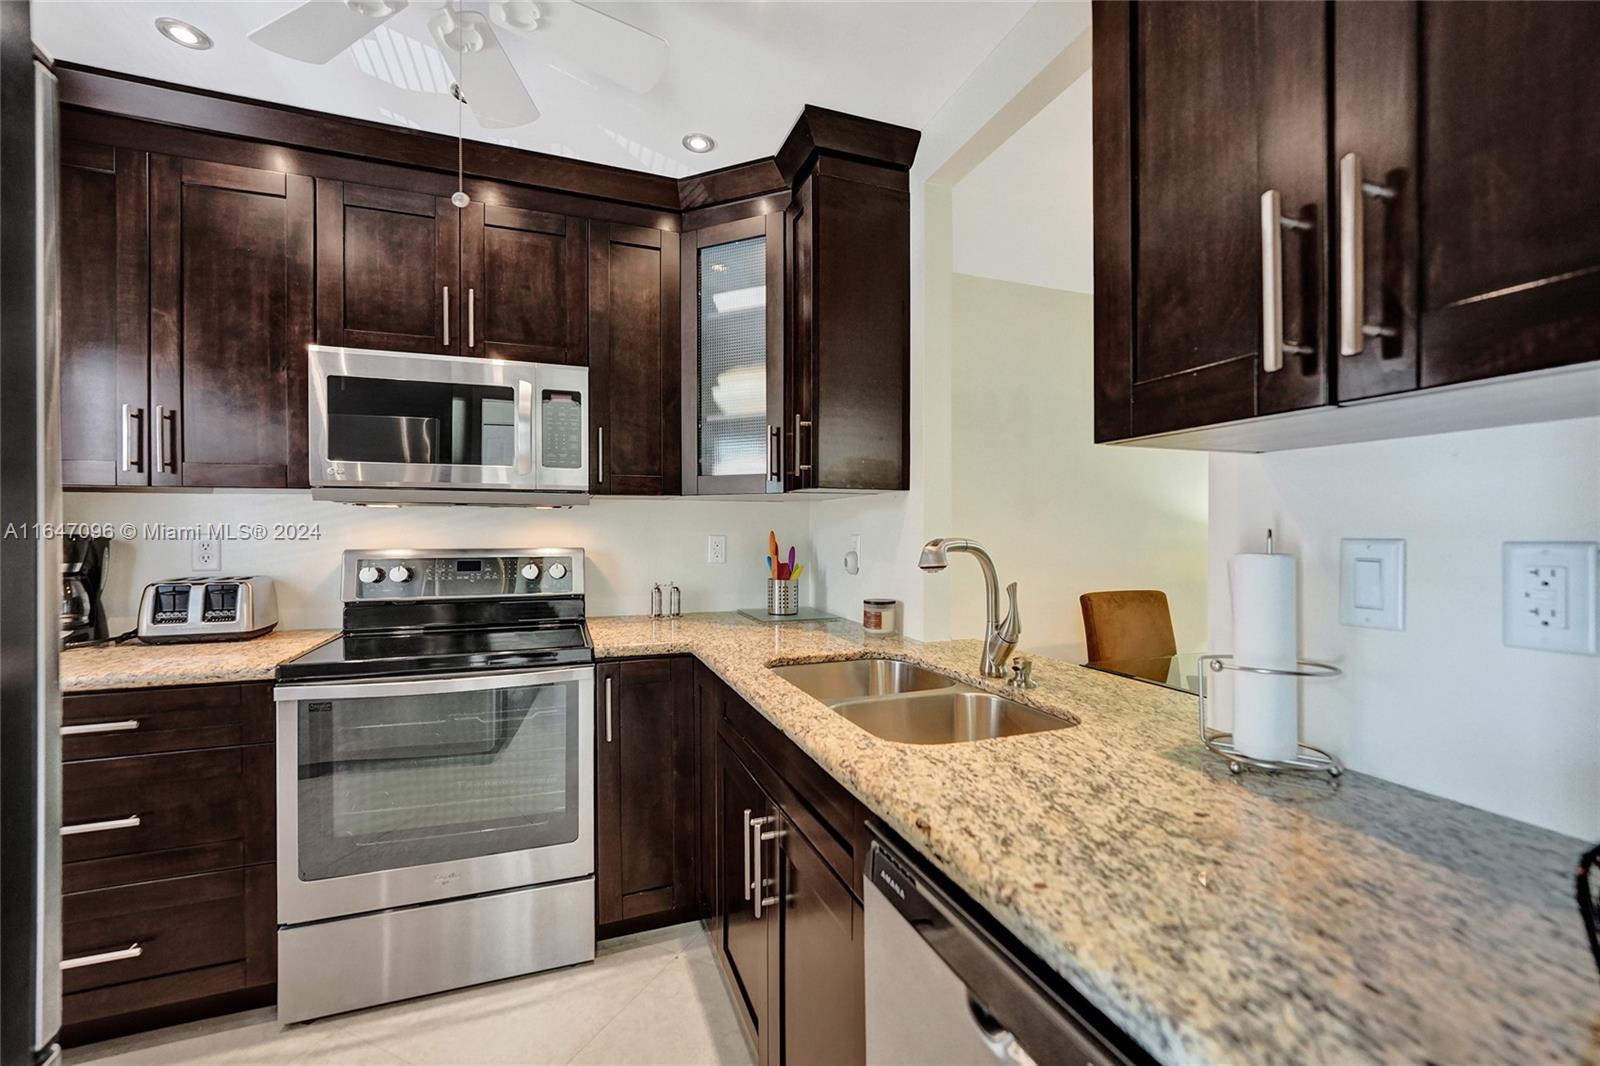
[(788, 927), (646, 785), (169, 906)]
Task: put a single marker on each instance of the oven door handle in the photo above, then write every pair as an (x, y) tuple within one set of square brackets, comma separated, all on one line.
[(422, 686), (523, 430)]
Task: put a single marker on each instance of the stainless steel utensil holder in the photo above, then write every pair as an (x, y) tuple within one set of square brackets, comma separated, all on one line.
[(1311, 759), (783, 597)]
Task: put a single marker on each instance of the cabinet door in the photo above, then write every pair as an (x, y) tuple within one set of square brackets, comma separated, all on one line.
[(746, 941), (388, 269), (231, 315), (105, 309), (1209, 106), (523, 273), (647, 788), (732, 315), (824, 981), (633, 361), (849, 358), (1482, 120)]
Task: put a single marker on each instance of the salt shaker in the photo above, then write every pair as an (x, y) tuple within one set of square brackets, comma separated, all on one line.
[(675, 598), (655, 601)]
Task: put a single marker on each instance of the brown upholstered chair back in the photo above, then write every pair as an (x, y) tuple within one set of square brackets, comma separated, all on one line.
[(1132, 624)]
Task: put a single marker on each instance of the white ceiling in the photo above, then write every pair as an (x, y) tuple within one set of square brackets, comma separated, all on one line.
[(738, 71)]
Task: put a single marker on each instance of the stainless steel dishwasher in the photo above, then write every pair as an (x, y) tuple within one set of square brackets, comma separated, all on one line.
[(943, 990)]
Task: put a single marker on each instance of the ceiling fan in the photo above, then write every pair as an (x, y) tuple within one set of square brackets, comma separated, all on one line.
[(317, 31)]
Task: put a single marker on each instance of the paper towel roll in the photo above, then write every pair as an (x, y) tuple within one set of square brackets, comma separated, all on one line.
[(1266, 707)]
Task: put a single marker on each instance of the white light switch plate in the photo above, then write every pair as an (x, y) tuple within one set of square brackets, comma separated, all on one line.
[(1550, 592), (1372, 583)]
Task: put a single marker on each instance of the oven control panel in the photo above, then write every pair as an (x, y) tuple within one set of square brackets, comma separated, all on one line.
[(376, 574)]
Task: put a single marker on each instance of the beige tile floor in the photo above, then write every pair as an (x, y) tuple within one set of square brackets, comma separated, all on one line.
[(652, 998)]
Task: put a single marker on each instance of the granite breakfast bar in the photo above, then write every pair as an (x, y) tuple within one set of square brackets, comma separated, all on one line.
[(1215, 919)]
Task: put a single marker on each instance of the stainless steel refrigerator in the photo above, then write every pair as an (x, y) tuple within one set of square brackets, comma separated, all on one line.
[(30, 566)]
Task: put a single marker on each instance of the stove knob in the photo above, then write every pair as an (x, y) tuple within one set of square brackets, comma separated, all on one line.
[(531, 571), (399, 574), (558, 571), (370, 574)]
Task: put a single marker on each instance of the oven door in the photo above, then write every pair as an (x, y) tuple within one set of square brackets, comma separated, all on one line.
[(389, 419), (398, 792)]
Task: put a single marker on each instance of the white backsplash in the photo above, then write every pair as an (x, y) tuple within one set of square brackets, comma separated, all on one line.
[(631, 544)]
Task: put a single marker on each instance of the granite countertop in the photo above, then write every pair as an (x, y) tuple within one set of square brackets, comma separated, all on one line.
[(1257, 920), (135, 665)]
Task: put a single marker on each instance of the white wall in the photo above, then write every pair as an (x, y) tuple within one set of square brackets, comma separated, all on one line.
[(1060, 514), (1442, 706), (631, 544)]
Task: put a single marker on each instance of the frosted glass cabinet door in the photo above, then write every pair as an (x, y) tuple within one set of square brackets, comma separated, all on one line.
[(733, 311)]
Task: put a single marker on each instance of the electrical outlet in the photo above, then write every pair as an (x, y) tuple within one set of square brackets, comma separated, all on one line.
[(852, 558), (205, 557), (717, 548), (1550, 593)]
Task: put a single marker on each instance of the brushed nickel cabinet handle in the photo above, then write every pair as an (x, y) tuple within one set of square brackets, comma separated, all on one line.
[(772, 432), (132, 445), (1273, 222), (760, 885), (747, 854), (132, 951), (127, 420), (472, 304), (127, 726), (1353, 191), (600, 456), (608, 709), (130, 822), (799, 452), (165, 418), (446, 316)]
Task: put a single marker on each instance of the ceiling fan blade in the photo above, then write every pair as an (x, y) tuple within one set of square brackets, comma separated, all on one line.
[(618, 51), (317, 31), (493, 89)]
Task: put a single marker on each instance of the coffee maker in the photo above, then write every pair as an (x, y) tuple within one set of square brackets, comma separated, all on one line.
[(83, 576)]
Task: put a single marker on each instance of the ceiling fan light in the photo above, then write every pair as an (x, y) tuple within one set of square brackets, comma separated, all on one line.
[(180, 32), (699, 143), (375, 9)]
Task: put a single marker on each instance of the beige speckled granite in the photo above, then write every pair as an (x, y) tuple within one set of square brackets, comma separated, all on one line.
[(1216, 920), (135, 665)]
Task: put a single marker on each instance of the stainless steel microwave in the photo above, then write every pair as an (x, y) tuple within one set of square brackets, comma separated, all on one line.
[(392, 427)]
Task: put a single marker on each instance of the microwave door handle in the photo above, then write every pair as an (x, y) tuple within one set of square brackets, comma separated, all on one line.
[(524, 427)]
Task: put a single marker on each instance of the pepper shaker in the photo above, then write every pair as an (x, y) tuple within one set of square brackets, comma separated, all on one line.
[(655, 600), (676, 600)]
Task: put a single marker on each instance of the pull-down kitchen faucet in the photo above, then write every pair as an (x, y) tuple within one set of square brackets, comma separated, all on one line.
[(999, 636)]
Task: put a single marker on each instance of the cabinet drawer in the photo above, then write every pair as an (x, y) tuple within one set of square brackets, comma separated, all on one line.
[(151, 803), (114, 935), (102, 725)]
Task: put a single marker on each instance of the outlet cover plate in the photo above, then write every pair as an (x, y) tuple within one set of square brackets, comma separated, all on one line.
[(205, 557), (716, 547), (1550, 590), (1372, 583)]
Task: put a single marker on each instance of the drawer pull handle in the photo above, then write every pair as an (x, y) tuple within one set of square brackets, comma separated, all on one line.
[(130, 822), (127, 726), (132, 951)]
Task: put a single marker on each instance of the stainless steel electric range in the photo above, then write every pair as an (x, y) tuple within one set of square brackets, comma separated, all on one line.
[(436, 781)]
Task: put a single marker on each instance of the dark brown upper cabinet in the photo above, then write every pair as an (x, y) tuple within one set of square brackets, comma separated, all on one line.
[(1434, 224), (1210, 196), (1475, 131), (848, 249), (105, 354), (523, 274), (647, 793), (633, 361), (230, 317), (733, 357), (388, 269)]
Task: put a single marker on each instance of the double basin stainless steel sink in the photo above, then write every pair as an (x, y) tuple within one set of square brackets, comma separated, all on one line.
[(904, 702)]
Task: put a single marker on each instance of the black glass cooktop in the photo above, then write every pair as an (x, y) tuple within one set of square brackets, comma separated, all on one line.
[(397, 653)]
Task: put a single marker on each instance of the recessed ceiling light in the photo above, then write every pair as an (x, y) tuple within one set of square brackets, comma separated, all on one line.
[(699, 142), (180, 32)]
